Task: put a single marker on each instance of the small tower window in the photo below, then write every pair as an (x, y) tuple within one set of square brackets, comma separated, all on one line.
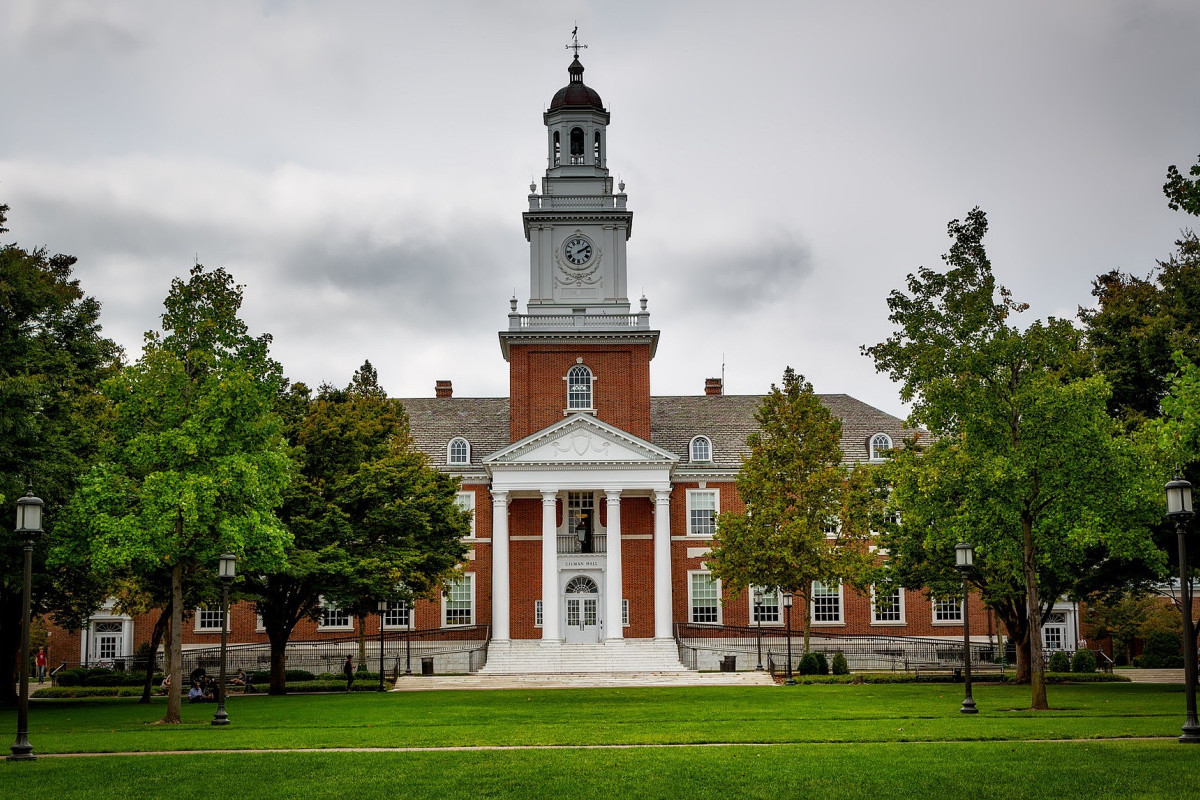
[(576, 145), (458, 452), (701, 449), (557, 150), (579, 388), (596, 151), (880, 444)]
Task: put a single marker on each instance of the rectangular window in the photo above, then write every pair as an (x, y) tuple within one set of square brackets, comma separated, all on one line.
[(208, 619), (887, 606), (396, 615), (826, 603), (334, 617), (537, 613), (466, 501), (624, 613), (704, 598), (768, 612), (702, 512), (947, 610), (459, 601)]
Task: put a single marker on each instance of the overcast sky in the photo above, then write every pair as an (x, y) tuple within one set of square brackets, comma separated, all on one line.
[(361, 167)]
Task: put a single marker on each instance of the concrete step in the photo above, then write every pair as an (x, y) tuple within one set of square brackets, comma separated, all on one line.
[(597, 680), (622, 656), (1153, 675)]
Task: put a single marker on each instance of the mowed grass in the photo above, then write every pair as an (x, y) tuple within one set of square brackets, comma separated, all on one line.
[(844, 741)]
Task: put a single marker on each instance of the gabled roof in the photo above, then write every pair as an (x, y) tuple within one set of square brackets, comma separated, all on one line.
[(580, 439)]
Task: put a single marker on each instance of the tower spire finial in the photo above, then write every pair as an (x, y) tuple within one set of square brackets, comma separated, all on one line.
[(575, 45)]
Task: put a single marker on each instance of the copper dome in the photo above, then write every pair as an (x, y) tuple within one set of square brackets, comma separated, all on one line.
[(576, 94)]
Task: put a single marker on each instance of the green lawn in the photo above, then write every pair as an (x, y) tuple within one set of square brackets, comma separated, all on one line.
[(847, 741)]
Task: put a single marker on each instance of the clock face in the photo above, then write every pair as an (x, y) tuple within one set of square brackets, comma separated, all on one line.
[(577, 250)]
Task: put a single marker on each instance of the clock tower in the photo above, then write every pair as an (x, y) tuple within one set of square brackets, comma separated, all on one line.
[(578, 318)]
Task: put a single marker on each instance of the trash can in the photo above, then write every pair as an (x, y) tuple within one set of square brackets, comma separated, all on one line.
[(426, 666), (729, 664)]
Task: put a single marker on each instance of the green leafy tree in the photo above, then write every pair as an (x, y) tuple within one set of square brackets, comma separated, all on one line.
[(52, 361), (1025, 462), (1183, 193), (797, 493), (370, 518), (198, 461), (1121, 619)]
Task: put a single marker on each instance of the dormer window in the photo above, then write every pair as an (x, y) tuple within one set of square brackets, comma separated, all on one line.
[(458, 452), (579, 388), (880, 444), (701, 449)]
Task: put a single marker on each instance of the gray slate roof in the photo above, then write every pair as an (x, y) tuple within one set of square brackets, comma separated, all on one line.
[(725, 419)]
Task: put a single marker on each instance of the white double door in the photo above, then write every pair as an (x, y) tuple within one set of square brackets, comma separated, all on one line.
[(582, 621)]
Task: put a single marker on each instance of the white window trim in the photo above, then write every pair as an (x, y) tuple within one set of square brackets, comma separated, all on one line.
[(892, 623), (956, 623), (469, 507), (716, 493), (624, 613), (591, 407), (321, 626), (778, 604), (450, 462), (537, 613), (692, 451), (209, 628), (691, 602), (871, 446), (812, 608), (388, 626), (469, 577)]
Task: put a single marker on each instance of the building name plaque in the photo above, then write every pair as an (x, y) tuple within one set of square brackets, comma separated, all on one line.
[(581, 563)]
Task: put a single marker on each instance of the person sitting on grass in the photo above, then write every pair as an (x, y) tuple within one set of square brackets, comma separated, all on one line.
[(196, 693)]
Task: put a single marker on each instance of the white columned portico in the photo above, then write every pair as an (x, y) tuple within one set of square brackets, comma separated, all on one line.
[(550, 630), (662, 564), (501, 591), (613, 585)]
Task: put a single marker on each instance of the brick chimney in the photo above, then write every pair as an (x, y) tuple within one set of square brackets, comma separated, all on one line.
[(443, 389), (714, 386)]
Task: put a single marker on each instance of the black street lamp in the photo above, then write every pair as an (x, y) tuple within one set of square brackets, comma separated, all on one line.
[(228, 569), (787, 605), (964, 559), (383, 607), (29, 526), (1179, 509), (758, 601)]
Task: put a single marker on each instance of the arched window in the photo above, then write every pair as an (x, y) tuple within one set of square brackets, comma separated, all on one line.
[(596, 151), (576, 145), (880, 444), (701, 449), (579, 388), (582, 584), (557, 149), (458, 451)]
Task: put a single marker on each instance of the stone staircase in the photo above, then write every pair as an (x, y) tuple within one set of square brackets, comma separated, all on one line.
[(599, 680), (534, 657)]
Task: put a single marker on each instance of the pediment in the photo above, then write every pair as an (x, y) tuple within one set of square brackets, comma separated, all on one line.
[(581, 439)]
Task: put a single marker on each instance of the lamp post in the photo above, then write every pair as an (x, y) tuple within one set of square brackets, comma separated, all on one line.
[(227, 571), (758, 601), (581, 534), (787, 606), (964, 559), (383, 607), (29, 525), (1179, 509)]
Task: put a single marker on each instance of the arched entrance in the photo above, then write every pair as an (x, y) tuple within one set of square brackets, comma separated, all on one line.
[(581, 610)]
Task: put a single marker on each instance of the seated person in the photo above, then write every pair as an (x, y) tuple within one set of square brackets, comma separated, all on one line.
[(166, 682), (240, 679), (196, 693), (198, 674)]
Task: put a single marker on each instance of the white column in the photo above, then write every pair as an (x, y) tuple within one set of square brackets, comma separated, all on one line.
[(613, 585), (549, 567), (500, 569), (662, 565)]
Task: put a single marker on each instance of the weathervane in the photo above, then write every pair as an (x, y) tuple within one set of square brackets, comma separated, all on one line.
[(575, 45)]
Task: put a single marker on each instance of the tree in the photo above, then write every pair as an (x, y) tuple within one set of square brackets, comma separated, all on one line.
[(369, 518), (1183, 194), (198, 461), (1025, 462), (52, 361), (1121, 619), (797, 492)]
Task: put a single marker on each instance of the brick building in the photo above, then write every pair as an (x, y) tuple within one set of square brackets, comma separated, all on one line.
[(594, 502)]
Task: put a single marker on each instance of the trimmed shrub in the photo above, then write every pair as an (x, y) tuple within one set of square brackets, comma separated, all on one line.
[(264, 676), (822, 664), (808, 665), (1162, 651), (1060, 662), (840, 667), (1084, 661)]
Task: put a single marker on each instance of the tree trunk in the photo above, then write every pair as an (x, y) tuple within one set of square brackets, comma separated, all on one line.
[(279, 640), (362, 640), (175, 692), (10, 645), (1037, 669), (1017, 628), (807, 618), (155, 639)]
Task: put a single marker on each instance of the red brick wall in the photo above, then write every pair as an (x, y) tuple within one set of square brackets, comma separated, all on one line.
[(538, 391)]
